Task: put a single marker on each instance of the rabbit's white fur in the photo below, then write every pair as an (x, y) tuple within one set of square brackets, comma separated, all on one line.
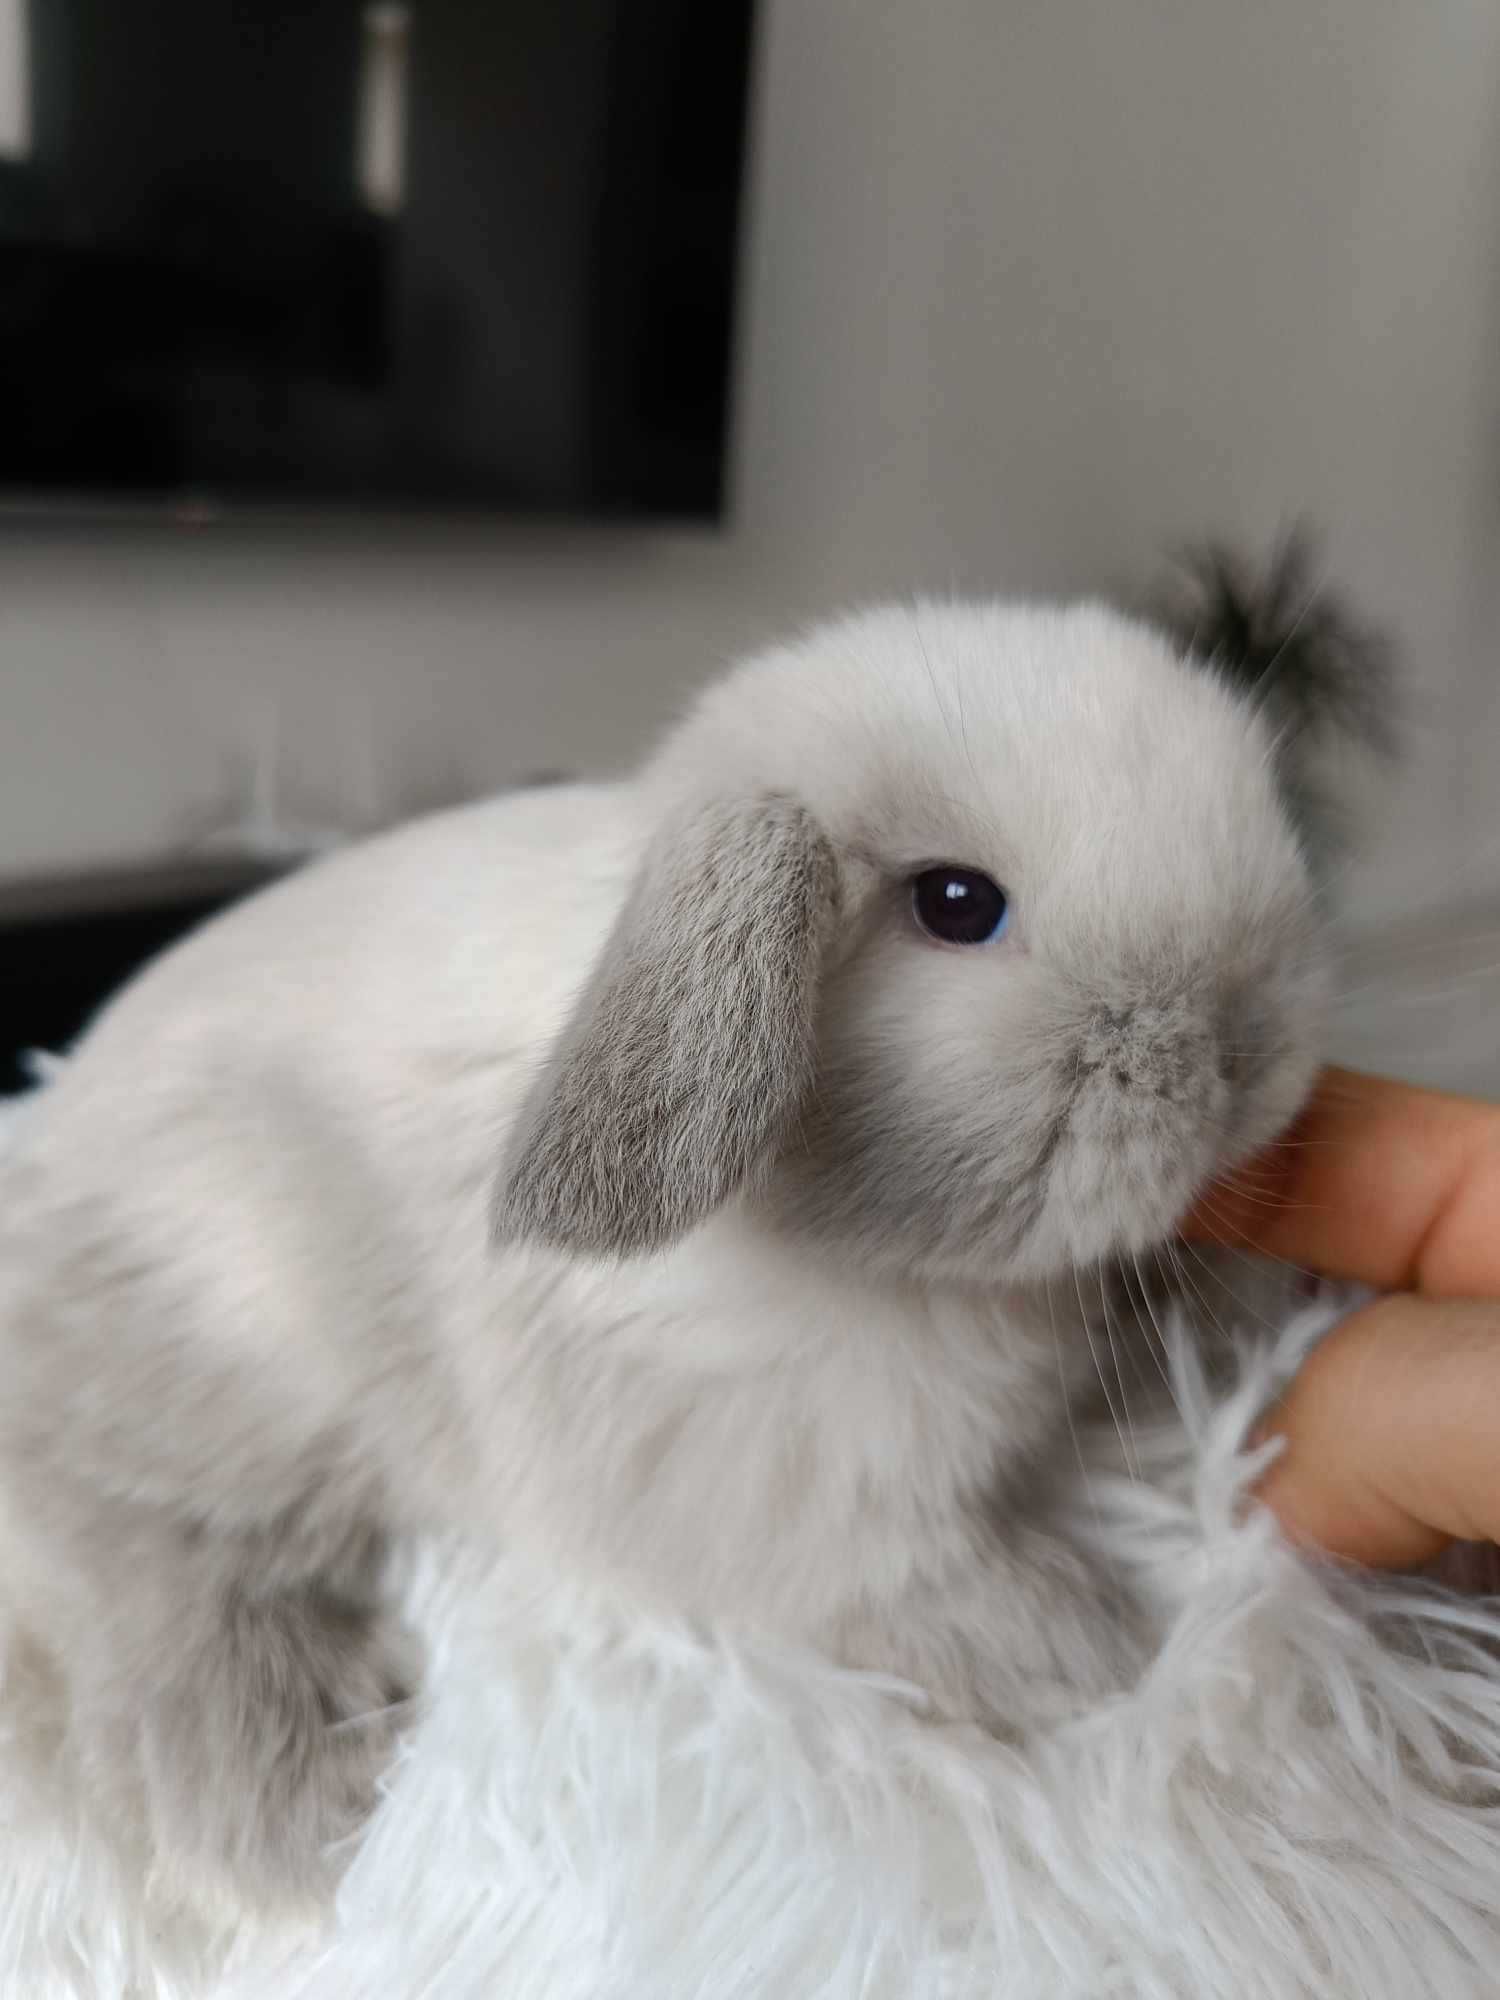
[(774, 1311)]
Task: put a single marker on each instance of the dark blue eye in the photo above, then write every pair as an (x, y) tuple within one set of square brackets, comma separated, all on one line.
[(959, 905)]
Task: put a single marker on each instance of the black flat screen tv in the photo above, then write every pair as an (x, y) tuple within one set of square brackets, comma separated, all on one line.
[(369, 253)]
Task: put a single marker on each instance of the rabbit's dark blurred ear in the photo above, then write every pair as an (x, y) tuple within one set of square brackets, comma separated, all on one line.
[(691, 1051), (1324, 677)]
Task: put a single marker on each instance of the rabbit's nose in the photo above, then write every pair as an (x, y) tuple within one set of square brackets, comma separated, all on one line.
[(1108, 1044), (1160, 1049)]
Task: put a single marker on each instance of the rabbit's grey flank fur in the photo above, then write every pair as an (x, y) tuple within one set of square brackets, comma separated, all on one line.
[(617, 1171)]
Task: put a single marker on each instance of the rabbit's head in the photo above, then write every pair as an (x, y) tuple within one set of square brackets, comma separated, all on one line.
[(973, 941)]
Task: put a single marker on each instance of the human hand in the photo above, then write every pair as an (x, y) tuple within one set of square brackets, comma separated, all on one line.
[(1392, 1426)]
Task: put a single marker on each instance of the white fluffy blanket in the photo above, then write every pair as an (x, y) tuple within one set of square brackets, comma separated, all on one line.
[(1301, 1797)]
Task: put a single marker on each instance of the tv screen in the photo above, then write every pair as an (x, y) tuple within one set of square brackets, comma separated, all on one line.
[(404, 253)]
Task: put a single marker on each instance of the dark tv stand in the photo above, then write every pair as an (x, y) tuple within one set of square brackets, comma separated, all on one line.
[(68, 943)]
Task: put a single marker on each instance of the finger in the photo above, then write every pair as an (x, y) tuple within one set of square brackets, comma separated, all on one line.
[(1392, 1433), (1377, 1181)]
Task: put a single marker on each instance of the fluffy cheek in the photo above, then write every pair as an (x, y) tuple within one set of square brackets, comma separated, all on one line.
[(964, 1127), (925, 1144)]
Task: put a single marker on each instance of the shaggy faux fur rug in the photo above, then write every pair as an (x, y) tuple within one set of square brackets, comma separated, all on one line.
[(1301, 1797)]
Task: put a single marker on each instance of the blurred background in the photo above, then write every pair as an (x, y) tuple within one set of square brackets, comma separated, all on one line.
[(399, 401)]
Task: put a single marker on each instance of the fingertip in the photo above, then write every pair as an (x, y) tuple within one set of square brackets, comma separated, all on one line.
[(1344, 1520), (1385, 1430)]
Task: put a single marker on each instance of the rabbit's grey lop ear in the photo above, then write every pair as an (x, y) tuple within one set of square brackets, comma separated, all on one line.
[(691, 1051)]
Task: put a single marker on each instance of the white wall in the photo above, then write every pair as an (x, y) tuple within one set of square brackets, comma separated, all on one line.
[(1031, 290)]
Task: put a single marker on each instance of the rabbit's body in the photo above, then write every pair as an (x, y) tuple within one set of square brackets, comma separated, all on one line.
[(296, 1265), (743, 1334)]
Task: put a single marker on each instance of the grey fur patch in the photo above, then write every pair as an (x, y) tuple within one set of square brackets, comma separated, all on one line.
[(692, 1050), (884, 1176), (266, 1729)]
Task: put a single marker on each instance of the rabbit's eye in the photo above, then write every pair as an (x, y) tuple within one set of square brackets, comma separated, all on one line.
[(959, 905)]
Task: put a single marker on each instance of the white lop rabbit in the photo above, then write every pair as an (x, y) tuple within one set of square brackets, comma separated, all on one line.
[(687, 1179)]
